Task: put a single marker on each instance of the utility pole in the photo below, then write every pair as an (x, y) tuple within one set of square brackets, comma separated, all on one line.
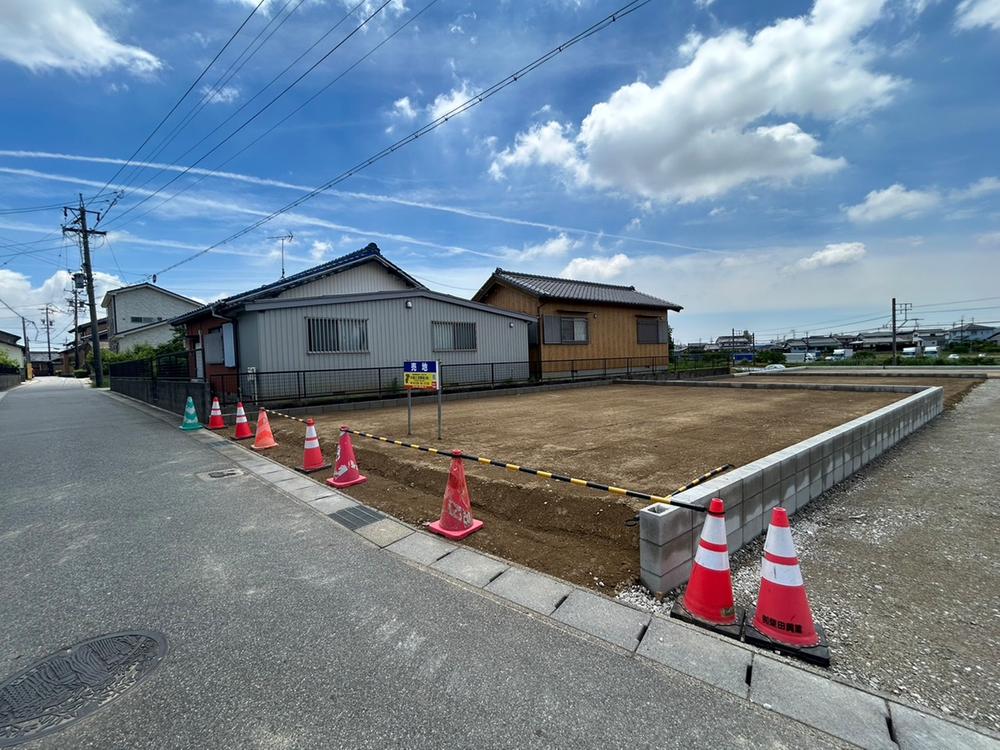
[(27, 350), (894, 331), (48, 332), (81, 229), (284, 238), (79, 282)]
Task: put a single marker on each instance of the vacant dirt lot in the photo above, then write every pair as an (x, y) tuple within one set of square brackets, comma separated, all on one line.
[(955, 389), (647, 438)]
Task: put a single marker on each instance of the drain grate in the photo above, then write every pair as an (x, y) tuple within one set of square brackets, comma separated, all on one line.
[(73, 683), (356, 517)]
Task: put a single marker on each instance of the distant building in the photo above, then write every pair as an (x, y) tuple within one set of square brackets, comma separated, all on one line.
[(140, 315), (970, 332), (67, 358), (582, 320), (813, 344), (44, 362), (10, 347), (741, 342)]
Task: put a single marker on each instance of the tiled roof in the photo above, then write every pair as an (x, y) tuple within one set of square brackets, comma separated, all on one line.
[(550, 287)]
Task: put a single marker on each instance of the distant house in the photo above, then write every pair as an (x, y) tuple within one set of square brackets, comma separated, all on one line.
[(739, 343), (10, 347), (357, 311), (970, 332), (140, 315), (579, 320), (814, 344), (44, 362), (67, 359)]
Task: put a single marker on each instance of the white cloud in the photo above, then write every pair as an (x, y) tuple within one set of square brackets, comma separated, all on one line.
[(896, 201), (66, 35), (703, 3), (597, 269), (893, 202), (319, 249), (551, 248), (445, 103), (971, 14), (404, 108), (723, 120), (634, 225), (837, 254), (224, 95)]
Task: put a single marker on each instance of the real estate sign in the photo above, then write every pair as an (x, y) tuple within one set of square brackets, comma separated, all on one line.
[(421, 375)]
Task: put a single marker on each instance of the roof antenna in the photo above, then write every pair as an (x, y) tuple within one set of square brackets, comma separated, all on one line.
[(284, 238)]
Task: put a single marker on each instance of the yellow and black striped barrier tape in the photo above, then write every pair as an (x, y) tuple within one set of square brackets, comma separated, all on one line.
[(551, 474)]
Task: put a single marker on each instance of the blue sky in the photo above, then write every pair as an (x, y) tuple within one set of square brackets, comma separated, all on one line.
[(777, 167)]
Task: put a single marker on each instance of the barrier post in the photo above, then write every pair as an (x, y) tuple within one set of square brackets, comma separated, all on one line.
[(441, 388)]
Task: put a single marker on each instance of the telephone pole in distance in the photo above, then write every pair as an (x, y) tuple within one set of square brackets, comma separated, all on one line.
[(79, 226)]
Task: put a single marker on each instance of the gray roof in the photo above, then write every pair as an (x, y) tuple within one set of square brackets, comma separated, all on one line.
[(9, 338), (145, 285), (553, 288), (368, 254)]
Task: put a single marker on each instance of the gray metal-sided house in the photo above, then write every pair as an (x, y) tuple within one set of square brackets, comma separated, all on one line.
[(329, 329)]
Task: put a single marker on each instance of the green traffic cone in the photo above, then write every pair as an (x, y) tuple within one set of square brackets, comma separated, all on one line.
[(190, 416)]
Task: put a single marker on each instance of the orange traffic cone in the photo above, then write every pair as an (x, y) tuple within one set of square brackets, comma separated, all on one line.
[(243, 430), (265, 438), (708, 598), (456, 520), (783, 620), (312, 455), (215, 420), (345, 467)]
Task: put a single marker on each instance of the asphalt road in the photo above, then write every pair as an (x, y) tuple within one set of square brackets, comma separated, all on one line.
[(286, 630)]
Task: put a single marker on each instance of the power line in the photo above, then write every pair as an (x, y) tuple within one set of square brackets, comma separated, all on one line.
[(260, 111), (280, 122), (227, 75), (182, 98), (437, 122)]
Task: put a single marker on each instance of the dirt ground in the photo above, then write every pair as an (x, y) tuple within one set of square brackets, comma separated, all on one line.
[(646, 438), (955, 389)]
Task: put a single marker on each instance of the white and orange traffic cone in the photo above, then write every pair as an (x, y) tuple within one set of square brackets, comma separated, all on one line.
[(312, 455), (708, 598), (783, 620), (265, 438), (456, 520), (243, 431), (215, 420), (345, 466)]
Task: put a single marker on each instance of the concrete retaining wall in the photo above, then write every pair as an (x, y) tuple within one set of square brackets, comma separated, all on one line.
[(668, 535), (9, 381), (166, 394)]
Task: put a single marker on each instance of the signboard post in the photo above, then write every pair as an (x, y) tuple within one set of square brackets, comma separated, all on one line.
[(421, 375)]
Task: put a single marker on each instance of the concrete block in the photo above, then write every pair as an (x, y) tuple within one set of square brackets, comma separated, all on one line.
[(844, 712), (421, 548), (915, 731), (751, 508), (734, 539), (603, 618), (788, 467), (815, 453), (802, 480), (816, 488), (802, 460), (788, 489), (332, 503), (752, 484), (828, 480), (295, 483), (771, 497), (314, 492), (660, 558), (771, 475), (752, 530), (660, 583), (384, 532), (838, 472), (529, 589), (659, 522), (470, 566), (702, 656), (732, 494)]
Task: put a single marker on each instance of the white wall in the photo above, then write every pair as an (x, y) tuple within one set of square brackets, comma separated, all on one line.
[(14, 352), (369, 277), (145, 303), (153, 336)]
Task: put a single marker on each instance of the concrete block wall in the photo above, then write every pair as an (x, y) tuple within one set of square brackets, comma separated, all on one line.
[(668, 534)]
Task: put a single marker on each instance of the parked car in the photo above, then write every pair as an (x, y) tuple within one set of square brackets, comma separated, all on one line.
[(953, 357), (775, 367)]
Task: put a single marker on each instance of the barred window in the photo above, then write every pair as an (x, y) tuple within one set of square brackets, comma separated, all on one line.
[(337, 335), (450, 337)]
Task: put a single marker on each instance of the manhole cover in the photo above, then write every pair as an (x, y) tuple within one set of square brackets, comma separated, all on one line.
[(71, 684)]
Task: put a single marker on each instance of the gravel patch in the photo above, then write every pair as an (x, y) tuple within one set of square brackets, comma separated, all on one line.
[(901, 563)]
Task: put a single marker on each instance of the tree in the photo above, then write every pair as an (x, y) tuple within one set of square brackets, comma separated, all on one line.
[(769, 357), (6, 359)]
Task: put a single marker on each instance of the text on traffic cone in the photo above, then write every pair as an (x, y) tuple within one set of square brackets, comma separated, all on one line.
[(345, 466), (456, 520)]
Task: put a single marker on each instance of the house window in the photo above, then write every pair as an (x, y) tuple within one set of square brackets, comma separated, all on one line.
[(137, 319), (565, 329), (337, 335), (573, 330), (650, 331), (454, 337)]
